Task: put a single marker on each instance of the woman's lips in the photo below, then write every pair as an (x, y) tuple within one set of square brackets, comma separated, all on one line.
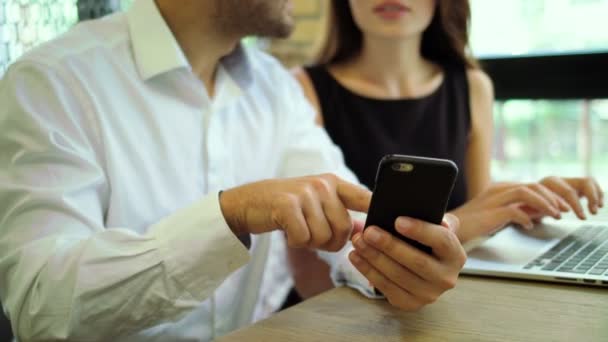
[(391, 10)]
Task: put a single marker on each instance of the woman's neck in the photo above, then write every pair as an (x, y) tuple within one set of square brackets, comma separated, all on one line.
[(394, 69)]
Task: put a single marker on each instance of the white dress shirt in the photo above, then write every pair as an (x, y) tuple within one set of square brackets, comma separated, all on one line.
[(112, 155)]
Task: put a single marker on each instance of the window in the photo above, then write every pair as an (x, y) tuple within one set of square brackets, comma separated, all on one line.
[(549, 63), (535, 138), (26, 23), (524, 27)]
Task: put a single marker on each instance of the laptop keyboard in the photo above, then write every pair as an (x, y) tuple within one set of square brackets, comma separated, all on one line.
[(585, 251)]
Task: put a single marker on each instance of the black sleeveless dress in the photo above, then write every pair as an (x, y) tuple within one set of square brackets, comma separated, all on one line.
[(366, 129)]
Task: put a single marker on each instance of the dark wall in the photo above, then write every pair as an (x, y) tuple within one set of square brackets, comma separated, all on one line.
[(566, 76), (91, 9)]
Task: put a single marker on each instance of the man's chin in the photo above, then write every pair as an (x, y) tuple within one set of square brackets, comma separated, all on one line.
[(285, 32), (278, 31)]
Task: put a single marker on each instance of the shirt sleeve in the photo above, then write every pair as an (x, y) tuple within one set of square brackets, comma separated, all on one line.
[(63, 272), (310, 151)]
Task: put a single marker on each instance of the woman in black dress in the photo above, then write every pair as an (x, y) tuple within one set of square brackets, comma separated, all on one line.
[(396, 77)]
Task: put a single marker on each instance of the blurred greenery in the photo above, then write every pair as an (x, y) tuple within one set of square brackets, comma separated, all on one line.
[(538, 138), (124, 4)]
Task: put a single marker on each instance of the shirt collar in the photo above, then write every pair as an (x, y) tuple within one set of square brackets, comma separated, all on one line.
[(156, 50), (154, 47)]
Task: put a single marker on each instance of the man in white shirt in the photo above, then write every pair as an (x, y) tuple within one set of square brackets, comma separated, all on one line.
[(117, 139)]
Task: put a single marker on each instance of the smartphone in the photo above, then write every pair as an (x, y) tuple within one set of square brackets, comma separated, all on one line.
[(411, 186)]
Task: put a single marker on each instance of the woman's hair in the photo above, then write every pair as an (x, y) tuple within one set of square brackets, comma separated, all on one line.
[(444, 42)]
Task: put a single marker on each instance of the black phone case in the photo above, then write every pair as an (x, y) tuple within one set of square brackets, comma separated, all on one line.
[(422, 192)]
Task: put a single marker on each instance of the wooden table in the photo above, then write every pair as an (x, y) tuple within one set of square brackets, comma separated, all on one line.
[(478, 309)]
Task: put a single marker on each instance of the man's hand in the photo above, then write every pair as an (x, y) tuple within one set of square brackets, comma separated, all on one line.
[(312, 211), (408, 277)]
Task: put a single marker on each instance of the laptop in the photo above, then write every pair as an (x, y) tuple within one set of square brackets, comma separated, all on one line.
[(574, 252)]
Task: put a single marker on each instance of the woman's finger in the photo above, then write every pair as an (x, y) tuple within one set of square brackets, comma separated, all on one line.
[(512, 214), (589, 190), (568, 193), (547, 194), (530, 198), (600, 193)]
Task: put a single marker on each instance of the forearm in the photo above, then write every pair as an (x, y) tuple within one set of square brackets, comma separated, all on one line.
[(115, 281), (342, 271), (311, 275), (467, 230)]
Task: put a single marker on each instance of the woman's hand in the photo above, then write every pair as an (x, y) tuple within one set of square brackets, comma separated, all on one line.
[(504, 203), (571, 190), (526, 204)]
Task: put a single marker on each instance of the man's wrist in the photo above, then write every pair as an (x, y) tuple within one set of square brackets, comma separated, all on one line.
[(227, 205)]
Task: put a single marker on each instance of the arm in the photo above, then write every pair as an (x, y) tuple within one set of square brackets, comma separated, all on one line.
[(409, 278), (311, 275), (309, 91), (64, 272), (317, 271), (479, 149), (491, 206), (474, 220)]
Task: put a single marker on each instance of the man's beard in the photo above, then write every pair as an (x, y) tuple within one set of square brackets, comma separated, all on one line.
[(266, 18)]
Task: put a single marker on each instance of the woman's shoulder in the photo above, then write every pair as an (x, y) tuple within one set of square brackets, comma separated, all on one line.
[(301, 74), (480, 84), (481, 100), (310, 74)]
